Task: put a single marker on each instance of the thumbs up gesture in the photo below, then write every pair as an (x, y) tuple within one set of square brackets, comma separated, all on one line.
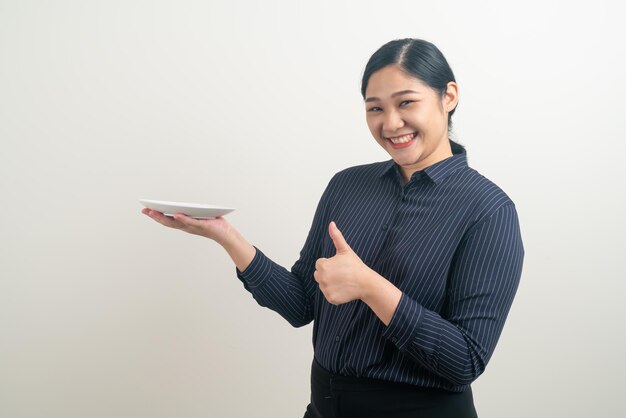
[(343, 277)]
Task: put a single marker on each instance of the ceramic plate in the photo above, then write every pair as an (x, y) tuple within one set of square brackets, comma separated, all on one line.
[(194, 210)]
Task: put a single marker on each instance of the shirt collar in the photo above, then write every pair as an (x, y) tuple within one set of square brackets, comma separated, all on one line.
[(436, 172)]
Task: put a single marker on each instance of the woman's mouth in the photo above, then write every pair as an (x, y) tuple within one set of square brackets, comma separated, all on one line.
[(402, 141)]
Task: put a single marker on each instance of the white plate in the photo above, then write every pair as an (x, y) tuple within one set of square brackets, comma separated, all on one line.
[(194, 210)]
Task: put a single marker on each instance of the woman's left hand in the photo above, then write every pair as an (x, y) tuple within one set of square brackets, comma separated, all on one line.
[(344, 277)]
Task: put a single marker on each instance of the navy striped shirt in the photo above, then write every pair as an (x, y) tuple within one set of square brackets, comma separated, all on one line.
[(448, 238)]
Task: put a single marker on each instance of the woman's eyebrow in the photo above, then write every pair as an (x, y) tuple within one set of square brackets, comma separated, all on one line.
[(398, 93)]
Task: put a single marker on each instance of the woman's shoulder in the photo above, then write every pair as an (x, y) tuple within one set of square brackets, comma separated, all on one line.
[(483, 194)]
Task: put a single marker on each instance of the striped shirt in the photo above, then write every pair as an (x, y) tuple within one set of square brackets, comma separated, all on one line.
[(448, 238)]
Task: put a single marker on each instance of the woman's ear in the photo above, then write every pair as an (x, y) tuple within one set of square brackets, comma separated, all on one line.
[(451, 96)]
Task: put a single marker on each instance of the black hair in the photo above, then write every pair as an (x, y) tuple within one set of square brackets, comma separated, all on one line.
[(420, 59)]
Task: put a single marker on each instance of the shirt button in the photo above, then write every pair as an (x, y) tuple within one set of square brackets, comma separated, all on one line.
[(337, 338), (385, 227), (394, 340)]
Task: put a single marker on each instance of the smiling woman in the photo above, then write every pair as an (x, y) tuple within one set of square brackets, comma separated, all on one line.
[(410, 266), (410, 96)]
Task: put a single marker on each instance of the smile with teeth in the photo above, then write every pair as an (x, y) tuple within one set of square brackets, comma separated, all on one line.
[(402, 139)]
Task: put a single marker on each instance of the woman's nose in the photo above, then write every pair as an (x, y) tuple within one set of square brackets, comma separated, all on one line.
[(392, 121)]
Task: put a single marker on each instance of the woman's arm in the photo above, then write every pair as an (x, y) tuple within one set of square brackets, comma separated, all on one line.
[(484, 278), (289, 293), (483, 281), (239, 250)]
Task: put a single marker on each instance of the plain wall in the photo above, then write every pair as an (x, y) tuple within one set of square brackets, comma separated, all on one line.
[(255, 105)]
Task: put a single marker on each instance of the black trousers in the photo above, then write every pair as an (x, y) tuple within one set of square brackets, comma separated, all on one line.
[(335, 396)]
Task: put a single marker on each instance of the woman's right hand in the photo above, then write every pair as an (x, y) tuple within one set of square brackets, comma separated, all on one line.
[(217, 229)]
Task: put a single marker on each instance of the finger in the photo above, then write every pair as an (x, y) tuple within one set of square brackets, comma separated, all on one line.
[(187, 220), (340, 243), (164, 220), (319, 263)]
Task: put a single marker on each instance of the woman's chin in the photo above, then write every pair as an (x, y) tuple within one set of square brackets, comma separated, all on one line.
[(406, 156)]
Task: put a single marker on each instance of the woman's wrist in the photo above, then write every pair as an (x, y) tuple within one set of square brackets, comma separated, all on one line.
[(381, 296), (239, 249)]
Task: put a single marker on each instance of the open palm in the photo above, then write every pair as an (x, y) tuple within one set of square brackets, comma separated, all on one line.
[(216, 229)]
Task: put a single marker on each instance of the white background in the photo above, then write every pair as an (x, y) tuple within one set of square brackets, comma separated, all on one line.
[(105, 313)]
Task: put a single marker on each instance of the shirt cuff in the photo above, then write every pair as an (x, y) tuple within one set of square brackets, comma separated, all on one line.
[(257, 271), (405, 322)]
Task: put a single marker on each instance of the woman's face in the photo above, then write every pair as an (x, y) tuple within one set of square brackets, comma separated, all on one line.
[(403, 109)]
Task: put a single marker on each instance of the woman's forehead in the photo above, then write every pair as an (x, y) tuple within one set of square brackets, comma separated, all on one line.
[(390, 80)]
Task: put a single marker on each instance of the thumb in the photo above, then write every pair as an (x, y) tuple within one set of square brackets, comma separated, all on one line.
[(340, 243)]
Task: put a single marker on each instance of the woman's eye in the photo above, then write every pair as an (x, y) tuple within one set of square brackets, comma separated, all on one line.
[(378, 109)]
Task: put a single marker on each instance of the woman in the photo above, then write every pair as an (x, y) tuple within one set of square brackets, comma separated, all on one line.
[(411, 264)]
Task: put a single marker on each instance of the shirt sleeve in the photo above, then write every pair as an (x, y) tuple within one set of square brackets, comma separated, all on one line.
[(289, 293), (458, 343)]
